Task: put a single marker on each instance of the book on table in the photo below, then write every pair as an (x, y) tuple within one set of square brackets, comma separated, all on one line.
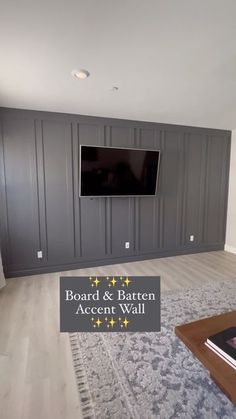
[(224, 345)]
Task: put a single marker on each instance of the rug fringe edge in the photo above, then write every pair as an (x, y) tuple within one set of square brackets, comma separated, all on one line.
[(86, 404)]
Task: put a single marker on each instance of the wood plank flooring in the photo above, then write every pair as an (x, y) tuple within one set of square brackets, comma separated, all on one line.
[(36, 373)]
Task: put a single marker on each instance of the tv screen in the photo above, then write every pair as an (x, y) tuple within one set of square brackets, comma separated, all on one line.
[(110, 171)]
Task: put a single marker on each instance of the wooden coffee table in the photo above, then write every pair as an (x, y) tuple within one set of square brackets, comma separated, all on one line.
[(195, 334)]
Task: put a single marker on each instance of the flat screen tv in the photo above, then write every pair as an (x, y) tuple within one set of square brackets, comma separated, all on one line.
[(111, 171)]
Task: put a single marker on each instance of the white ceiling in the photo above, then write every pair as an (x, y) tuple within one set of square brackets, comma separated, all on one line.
[(173, 61)]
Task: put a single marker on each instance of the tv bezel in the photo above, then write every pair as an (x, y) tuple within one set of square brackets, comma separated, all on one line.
[(118, 148)]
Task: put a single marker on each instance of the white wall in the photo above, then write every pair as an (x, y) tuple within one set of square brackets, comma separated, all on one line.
[(230, 243)]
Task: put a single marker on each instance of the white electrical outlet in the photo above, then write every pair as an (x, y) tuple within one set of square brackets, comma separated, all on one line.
[(39, 254), (127, 245), (191, 238)]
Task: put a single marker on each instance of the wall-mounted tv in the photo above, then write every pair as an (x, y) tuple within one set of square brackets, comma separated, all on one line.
[(111, 171)]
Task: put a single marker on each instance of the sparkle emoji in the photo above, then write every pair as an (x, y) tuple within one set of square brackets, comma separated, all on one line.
[(98, 322), (125, 322), (113, 281), (112, 322), (96, 282), (126, 282)]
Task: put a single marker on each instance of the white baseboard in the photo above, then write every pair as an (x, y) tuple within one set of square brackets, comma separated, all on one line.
[(230, 249)]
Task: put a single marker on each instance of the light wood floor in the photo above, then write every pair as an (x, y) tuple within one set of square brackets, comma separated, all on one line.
[(36, 373)]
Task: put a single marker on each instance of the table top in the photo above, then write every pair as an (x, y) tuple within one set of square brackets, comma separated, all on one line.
[(195, 334)]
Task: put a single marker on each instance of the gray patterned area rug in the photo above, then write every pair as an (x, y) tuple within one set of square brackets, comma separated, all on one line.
[(153, 375)]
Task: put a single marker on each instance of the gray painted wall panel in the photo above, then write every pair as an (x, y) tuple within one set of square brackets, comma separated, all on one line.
[(92, 228), (21, 191), (147, 230), (57, 157), (193, 199), (40, 204), (170, 171), (215, 172)]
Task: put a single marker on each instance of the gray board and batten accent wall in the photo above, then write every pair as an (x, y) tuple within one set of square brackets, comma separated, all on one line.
[(41, 209)]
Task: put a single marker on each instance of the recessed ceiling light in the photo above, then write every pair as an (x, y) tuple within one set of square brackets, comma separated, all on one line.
[(80, 74)]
